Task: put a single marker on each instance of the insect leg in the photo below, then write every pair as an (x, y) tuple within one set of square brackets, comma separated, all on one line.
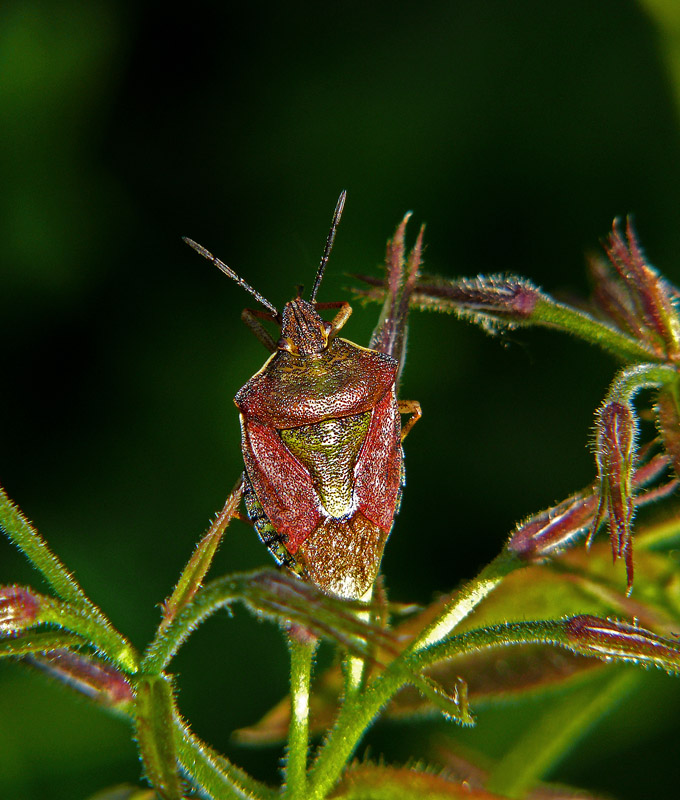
[(409, 407), (265, 530), (341, 317), (251, 317)]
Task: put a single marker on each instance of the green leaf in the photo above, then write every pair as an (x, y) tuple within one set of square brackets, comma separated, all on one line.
[(565, 722)]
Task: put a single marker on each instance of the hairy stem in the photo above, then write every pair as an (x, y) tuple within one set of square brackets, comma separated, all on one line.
[(301, 659), (360, 709), (354, 666), (467, 599), (570, 320), (215, 776), (20, 531)]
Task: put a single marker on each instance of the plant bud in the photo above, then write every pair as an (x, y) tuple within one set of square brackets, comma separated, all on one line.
[(606, 638), (19, 607), (615, 451)]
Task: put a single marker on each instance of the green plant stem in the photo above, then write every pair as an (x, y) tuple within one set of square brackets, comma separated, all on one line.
[(467, 599), (154, 713), (546, 741), (283, 598), (354, 667), (42, 642), (555, 315), (27, 539), (214, 775), (631, 380), (201, 559), (301, 660), (104, 638), (359, 710)]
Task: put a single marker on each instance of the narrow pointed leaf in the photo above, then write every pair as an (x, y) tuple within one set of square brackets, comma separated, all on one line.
[(20, 531), (615, 453), (195, 571), (612, 297), (401, 272), (453, 705)]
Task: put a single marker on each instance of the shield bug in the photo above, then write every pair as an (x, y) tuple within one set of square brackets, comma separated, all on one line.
[(321, 440)]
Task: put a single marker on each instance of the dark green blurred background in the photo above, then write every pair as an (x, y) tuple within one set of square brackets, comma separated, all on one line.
[(516, 131)]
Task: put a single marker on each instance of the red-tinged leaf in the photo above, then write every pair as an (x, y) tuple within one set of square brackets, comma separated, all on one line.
[(19, 608), (364, 781), (401, 271), (612, 297), (555, 529), (367, 781), (464, 770), (649, 291)]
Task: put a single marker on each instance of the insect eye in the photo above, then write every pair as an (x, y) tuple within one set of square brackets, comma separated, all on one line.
[(286, 344), (328, 327)]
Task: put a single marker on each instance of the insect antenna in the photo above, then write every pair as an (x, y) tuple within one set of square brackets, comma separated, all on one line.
[(329, 243), (230, 272)]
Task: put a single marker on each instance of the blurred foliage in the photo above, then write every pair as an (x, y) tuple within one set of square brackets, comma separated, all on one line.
[(515, 130)]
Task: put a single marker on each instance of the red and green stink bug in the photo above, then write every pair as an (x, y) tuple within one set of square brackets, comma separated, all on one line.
[(321, 440)]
